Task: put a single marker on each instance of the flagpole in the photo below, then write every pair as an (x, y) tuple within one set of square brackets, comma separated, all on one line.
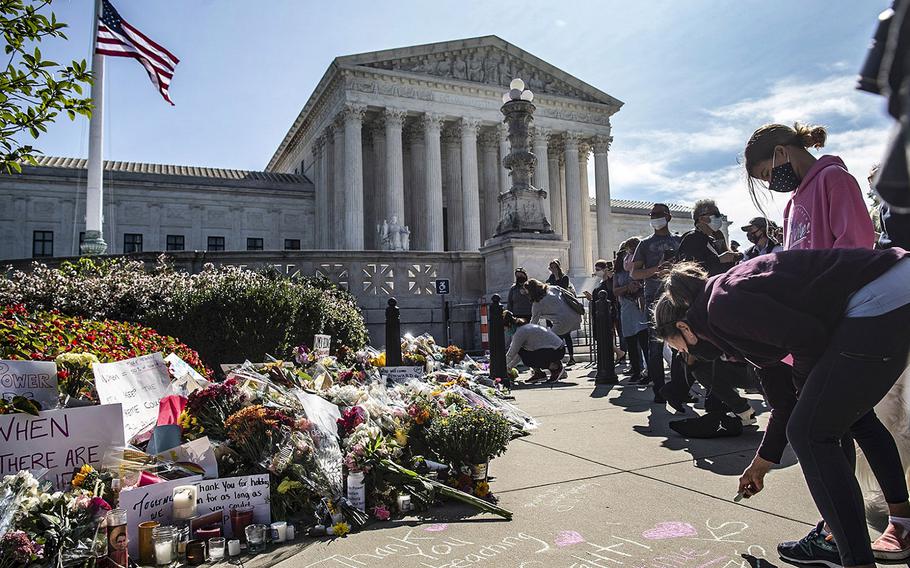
[(94, 197)]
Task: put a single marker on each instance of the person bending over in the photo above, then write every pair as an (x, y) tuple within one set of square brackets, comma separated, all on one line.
[(537, 347)]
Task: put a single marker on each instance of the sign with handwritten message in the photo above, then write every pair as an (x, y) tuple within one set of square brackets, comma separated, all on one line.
[(322, 344), (60, 440), (138, 384), (402, 375), (150, 503), (36, 380)]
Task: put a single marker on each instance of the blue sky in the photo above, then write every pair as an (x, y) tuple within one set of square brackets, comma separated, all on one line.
[(697, 77)]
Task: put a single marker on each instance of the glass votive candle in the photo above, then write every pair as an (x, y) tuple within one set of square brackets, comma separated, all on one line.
[(233, 547), (195, 552), (255, 538), (216, 548), (165, 544), (241, 518), (279, 531)]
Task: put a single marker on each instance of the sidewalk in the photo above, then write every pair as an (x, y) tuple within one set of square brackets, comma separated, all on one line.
[(603, 482)]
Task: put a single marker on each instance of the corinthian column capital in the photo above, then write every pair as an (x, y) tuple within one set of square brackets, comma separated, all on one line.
[(394, 116), (354, 111), (432, 121), (542, 135), (469, 126), (489, 138), (602, 144)]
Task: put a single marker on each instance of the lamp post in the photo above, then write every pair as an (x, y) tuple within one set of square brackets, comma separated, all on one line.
[(522, 207)]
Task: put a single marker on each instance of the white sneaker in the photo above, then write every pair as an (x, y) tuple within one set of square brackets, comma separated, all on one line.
[(748, 417)]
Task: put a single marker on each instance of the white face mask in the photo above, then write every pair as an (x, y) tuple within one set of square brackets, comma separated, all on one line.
[(658, 224), (599, 273), (716, 222)]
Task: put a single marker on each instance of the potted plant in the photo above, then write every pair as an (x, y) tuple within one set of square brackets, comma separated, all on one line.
[(470, 437)]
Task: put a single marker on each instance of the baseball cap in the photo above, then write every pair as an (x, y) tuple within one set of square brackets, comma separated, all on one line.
[(757, 222)]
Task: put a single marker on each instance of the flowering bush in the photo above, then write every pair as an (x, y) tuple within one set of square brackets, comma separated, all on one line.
[(45, 336), (227, 314)]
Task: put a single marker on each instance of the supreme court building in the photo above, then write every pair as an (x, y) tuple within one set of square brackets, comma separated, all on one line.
[(410, 137)]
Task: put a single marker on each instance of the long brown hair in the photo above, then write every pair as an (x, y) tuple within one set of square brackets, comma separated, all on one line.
[(681, 287), (763, 141), (536, 289)]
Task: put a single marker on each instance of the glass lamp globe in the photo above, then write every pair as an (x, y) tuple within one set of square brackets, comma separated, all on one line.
[(517, 84), (515, 94), (527, 96), (506, 98)]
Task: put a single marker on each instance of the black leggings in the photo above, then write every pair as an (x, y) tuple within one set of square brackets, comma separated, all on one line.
[(637, 347), (863, 360), (569, 347), (721, 379)]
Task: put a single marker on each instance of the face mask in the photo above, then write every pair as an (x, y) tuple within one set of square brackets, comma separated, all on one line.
[(783, 178), (753, 237), (704, 350), (716, 222), (599, 273), (658, 224)]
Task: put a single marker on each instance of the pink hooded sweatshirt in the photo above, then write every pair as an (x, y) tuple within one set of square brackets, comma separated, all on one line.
[(827, 210)]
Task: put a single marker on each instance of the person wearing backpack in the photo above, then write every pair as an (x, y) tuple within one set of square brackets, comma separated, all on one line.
[(558, 278), (556, 305)]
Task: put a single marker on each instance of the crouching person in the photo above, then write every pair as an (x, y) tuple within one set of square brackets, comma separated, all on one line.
[(537, 347)]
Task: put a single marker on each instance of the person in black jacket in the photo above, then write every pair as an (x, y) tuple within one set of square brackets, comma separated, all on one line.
[(518, 303), (559, 278)]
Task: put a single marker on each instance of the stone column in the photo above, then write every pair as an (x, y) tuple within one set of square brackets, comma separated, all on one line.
[(338, 183), (573, 207), (584, 150), (433, 186), (451, 182), (414, 139), (602, 191), (353, 177), (505, 181), (378, 197), (470, 186), (489, 167), (541, 179), (394, 168), (555, 192), (321, 213)]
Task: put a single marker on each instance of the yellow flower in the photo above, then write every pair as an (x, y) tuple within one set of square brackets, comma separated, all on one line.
[(341, 529), (401, 436), (482, 489), (79, 478)]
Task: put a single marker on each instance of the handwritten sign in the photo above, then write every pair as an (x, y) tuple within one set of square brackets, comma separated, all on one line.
[(186, 379), (138, 384), (150, 503), (198, 452), (154, 502), (322, 344), (60, 440), (401, 374), (36, 380)]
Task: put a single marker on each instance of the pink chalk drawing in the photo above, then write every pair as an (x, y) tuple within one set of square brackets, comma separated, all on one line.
[(671, 529), (568, 538), (437, 527)]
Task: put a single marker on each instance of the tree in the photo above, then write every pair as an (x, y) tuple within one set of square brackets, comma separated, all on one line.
[(34, 91)]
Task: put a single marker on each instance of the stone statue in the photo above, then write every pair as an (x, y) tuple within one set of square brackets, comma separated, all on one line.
[(460, 68), (383, 231), (393, 236), (405, 238), (505, 71), (491, 70), (444, 67), (475, 69)]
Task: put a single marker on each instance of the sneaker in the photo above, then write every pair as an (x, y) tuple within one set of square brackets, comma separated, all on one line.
[(713, 425), (667, 393), (537, 377), (554, 378), (556, 374), (748, 417), (816, 548), (893, 545)]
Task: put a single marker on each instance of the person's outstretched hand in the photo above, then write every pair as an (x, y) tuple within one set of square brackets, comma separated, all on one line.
[(753, 479)]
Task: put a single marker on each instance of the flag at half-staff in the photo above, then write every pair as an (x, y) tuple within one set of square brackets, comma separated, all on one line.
[(117, 38)]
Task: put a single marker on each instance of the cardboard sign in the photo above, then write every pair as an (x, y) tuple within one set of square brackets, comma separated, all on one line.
[(186, 379), (138, 384), (402, 374), (62, 441), (322, 344), (36, 380), (150, 503), (153, 502)]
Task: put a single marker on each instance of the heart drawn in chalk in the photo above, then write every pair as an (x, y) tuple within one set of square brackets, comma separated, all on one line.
[(672, 529), (437, 528), (568, 538)]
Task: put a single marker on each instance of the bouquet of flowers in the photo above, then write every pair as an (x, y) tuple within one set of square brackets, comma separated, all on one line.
[(75, 377), (250, 431), (453, 355), (207, 410)]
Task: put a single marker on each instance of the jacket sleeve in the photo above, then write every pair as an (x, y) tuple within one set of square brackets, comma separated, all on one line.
[(535, 312), (518, 341), (848, 217), (777, 382)]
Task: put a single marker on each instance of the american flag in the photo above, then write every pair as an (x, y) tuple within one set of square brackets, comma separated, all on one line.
[(119, 39)]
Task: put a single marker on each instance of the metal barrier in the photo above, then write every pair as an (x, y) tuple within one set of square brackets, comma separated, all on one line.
[(603, 337), (392, 334), (497, 342)]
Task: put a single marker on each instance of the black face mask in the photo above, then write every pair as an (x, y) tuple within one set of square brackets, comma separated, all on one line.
[(753, 237), (704, 350), (783, 179)]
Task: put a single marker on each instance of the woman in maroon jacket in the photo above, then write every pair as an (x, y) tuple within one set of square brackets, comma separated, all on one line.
[(844, 315)]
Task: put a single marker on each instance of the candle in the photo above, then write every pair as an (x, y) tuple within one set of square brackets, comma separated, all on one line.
[(241, 518), (164, 552), (195, 552), (184, 501), (404, 503), (291, 532), (279, 531), (234, 547), (216, 548)]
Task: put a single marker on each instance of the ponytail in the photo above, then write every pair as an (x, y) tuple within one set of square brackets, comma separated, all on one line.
[(682, 286)]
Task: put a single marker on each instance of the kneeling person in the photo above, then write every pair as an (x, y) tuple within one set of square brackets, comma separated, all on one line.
[(537, 347)]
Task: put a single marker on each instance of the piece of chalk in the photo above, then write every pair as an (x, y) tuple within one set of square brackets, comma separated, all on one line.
[(739, 497)]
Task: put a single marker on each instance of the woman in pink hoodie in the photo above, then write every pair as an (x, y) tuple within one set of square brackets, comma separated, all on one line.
[(826, 210)]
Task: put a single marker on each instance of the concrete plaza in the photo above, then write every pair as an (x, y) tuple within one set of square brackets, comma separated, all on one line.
[(602, 482)]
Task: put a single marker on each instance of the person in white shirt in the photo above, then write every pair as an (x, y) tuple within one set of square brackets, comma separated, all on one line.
[(537, 347), (547, 303)]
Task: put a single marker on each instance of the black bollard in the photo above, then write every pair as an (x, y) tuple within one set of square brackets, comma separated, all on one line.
[(497, 343), (603, 334), (392, 334), (592, 338)]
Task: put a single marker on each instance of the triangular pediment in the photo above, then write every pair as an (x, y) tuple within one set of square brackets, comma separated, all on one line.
[(489, 60)]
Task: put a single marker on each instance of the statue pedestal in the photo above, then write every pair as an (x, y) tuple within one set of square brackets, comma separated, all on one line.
[(521, 211), (503, 254)]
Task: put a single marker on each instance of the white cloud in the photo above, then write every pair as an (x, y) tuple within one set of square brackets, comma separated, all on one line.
[(560, 23)]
